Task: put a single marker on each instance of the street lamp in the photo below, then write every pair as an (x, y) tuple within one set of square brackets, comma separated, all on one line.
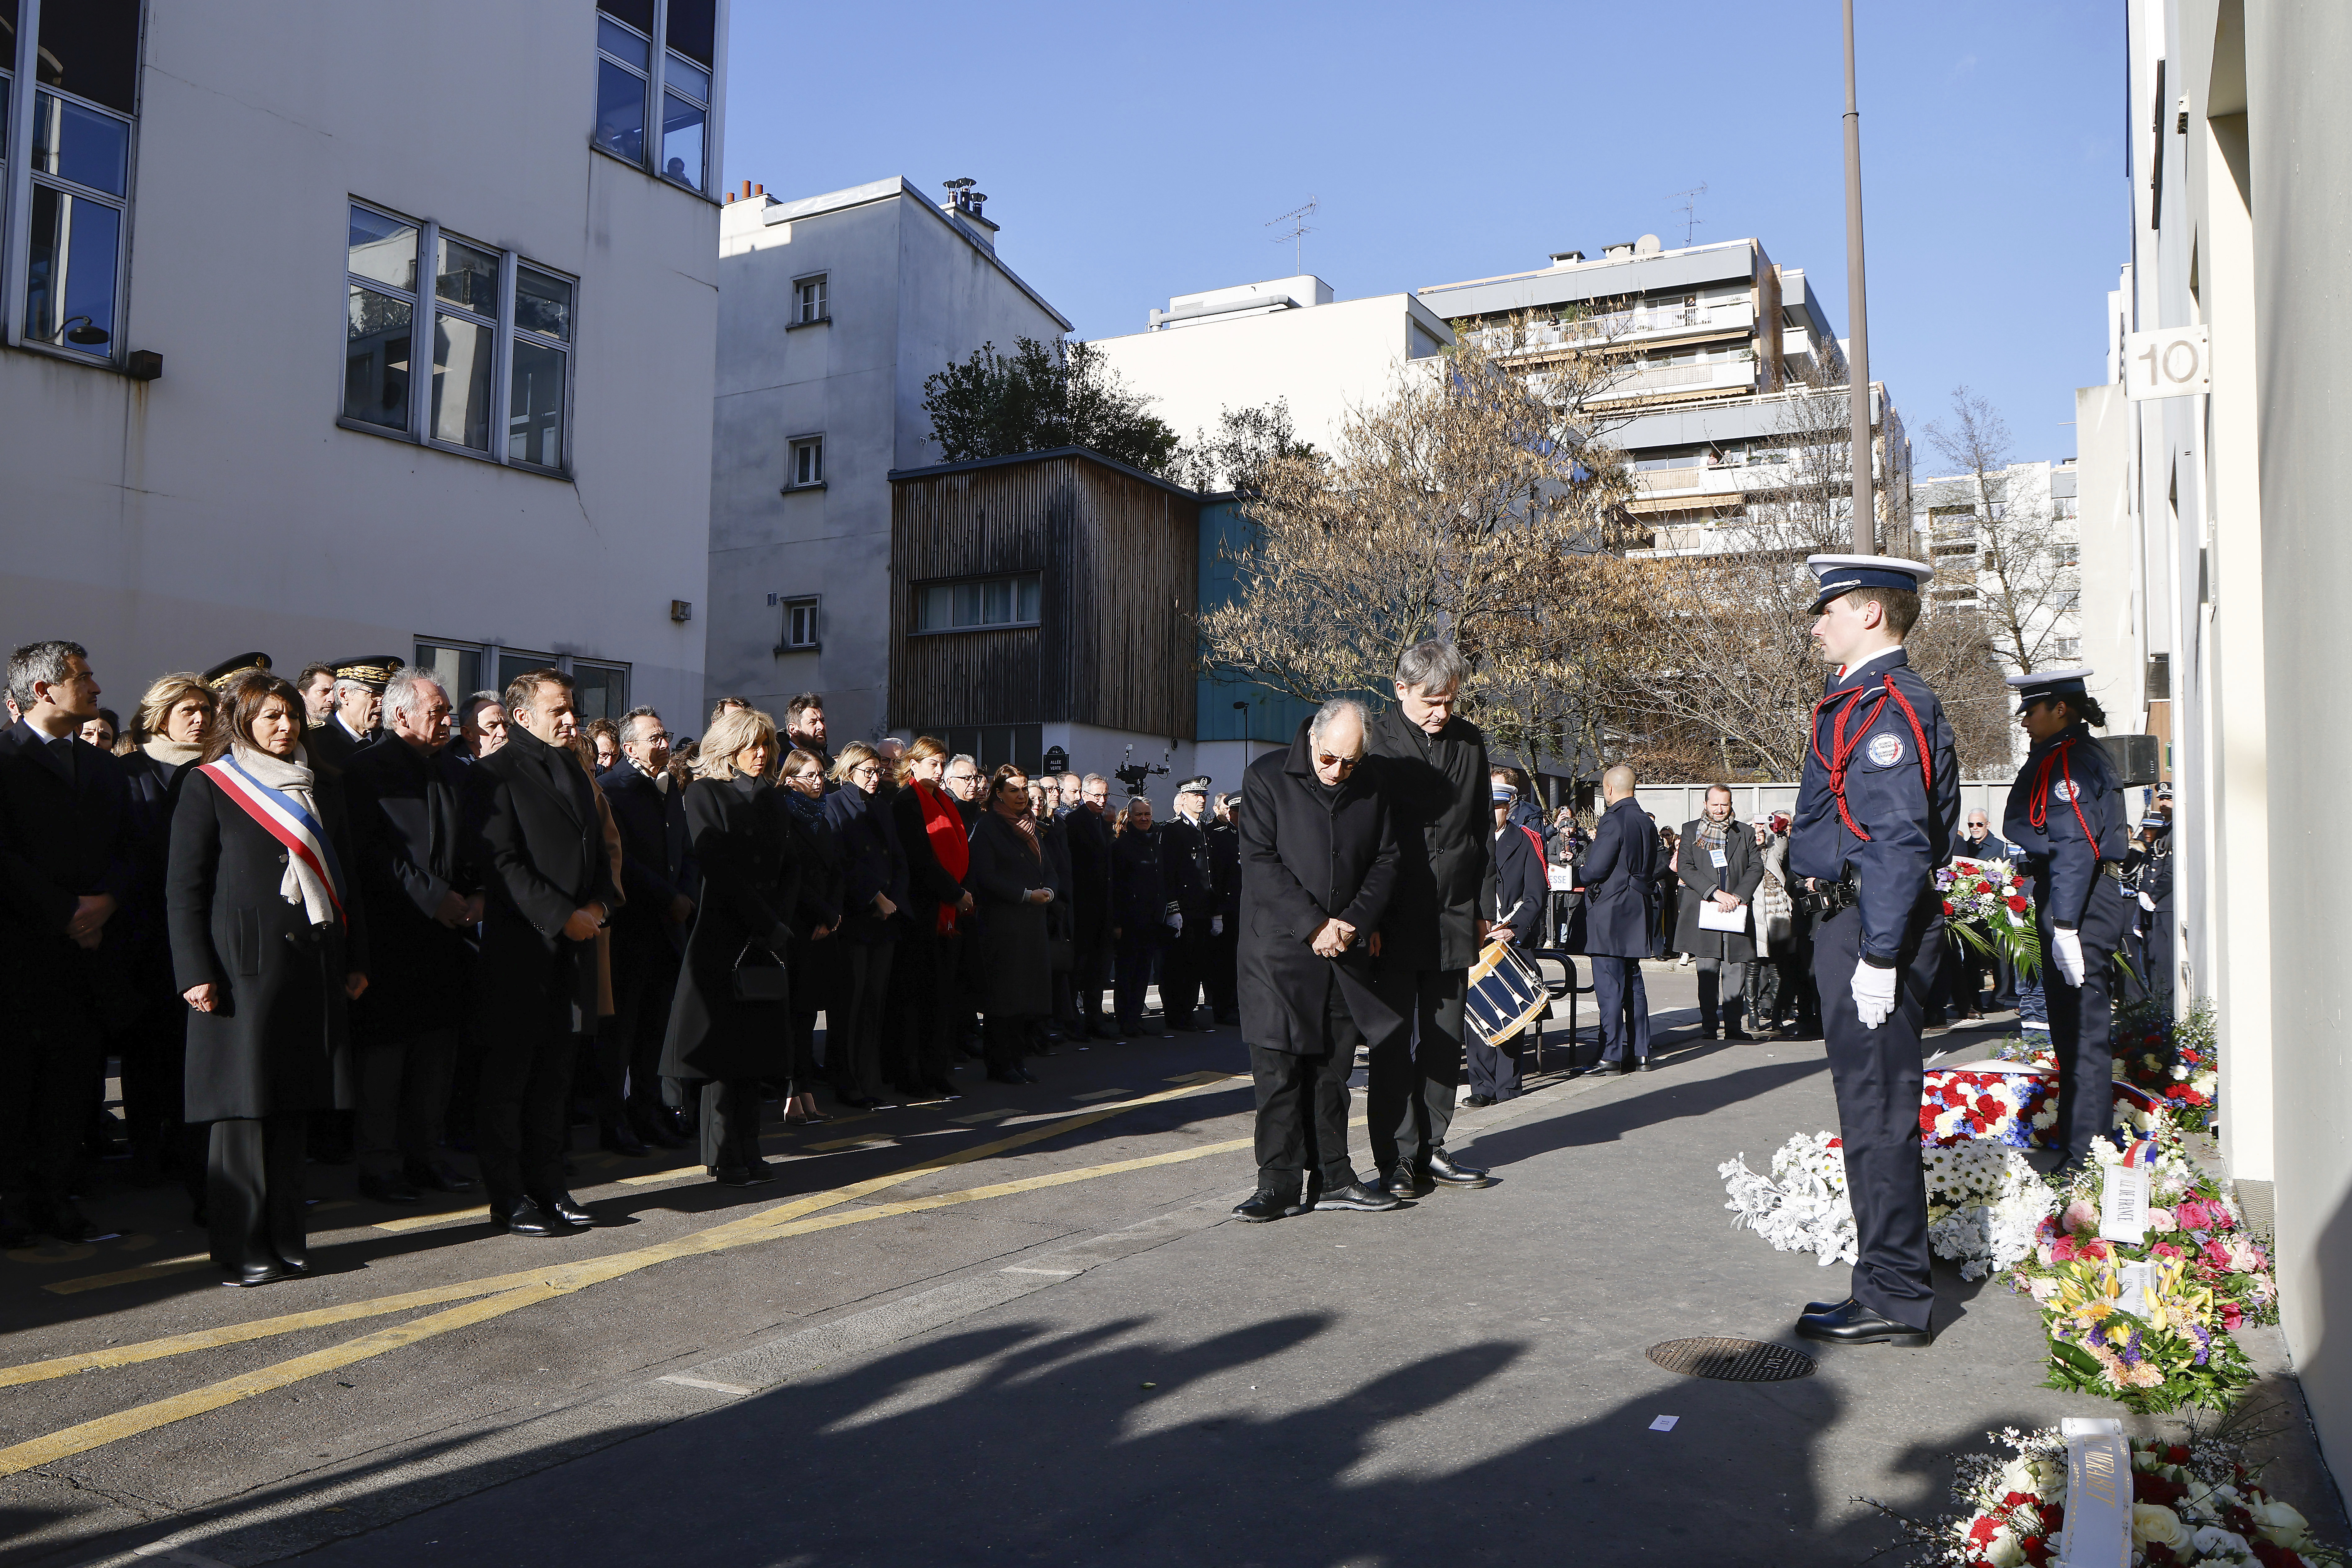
[(1243, 709)]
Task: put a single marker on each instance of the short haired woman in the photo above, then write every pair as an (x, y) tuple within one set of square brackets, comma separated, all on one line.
[(730, 1017), (1008, 879), (604, 737), (269, 939), (1139, 913), (874, 878), (815, 921)]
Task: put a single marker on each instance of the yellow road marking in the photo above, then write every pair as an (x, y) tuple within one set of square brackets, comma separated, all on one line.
[(856, 1140), (419, 1221), (154, 1270)]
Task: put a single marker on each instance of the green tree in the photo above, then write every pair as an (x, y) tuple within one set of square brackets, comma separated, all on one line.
[(1040, 397)]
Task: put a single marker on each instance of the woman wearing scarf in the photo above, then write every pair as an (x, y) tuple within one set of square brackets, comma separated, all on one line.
[(730, 1017), (874, 876), (918, 1051), (1007, 877), (270, 945), (801, 803)]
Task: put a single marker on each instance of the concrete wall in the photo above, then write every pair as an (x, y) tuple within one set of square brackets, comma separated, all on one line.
[(911, 291), (171, 523)]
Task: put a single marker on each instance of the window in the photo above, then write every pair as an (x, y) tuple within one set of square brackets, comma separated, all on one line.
[(807, 470), (990, 602), (990, 745), (809, 303), (600, 687), (661, 125), (70, 178), (501, 366), (800, 627), (599, 691), (457, 666), (2070, 648)]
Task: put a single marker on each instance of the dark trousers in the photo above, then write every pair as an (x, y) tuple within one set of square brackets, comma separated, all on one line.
[(1090, 966), (1722, 988), (804, 1049), (48, 1066), (1877, 1073), (1494, 1070), (253, 1190), (731, 1122), (1302, 1110), (1182, 966), (520, 1117), (853, 1031), (1223, 979), (628, 1051), (1413, 1073), (1136, 951), (1623, 999), (154, 1052), (2081, 1032), (918, 1044), (403, 1087), (1005, 1038)]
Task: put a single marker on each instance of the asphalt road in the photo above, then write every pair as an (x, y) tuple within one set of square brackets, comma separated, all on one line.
[(1014, 1328)]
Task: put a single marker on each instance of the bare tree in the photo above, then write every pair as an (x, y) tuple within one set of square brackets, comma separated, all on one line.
[(2004, 544)]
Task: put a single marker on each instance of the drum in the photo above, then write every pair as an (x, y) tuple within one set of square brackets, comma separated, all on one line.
[(1506, 993)]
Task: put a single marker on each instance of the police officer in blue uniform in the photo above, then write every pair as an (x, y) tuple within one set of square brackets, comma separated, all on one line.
[(1877, 811), (2149, 881), (2067, 811)]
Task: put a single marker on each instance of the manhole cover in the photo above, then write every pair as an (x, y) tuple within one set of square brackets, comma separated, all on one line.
[(1732, 1361)]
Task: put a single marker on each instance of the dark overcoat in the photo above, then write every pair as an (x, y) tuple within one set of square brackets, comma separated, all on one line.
[(542, 854), (1440, 802), (749, 884), (818, 903), (1013, 951), (140, 929), (657, 863), (64, 835), (1520, 880), (1089, 838), (1742, 873), (409, 851), (1310, 853), (929, 883), (1620, 872), (278, 1038), (1184, 863), (871, 862), (1138, 887)]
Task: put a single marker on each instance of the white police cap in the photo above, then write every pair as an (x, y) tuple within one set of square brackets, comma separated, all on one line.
[(2042, 685), (1843, 573)]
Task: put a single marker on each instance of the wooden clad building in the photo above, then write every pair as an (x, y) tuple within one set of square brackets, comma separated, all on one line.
[(1053, 588)]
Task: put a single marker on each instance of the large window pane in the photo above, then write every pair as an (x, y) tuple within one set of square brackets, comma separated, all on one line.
[(637, 14), (91, 49), (467, 277), (681, 141), (618, 40), (383, 248), (515, 663), (687, 78), (375, 359), (74, 242), (599, 691), (542, 304), (461, 382), (621, 111), (79, 144), (535, 405), (458, 669), (694, 28)]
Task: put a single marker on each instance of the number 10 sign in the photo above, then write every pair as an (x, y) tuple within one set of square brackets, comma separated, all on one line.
[(2172, 363)]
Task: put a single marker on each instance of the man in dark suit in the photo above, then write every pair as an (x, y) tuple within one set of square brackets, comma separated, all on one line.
[(1431, 765), (1184, 864), (66, 864), (1226, 909), (359, 709), (405, 796), (663, 883), (1088, 829), (1620, 871), (550, 889)]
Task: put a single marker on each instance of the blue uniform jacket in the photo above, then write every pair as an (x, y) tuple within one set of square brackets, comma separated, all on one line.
[(2067, 771), (1911, 827)]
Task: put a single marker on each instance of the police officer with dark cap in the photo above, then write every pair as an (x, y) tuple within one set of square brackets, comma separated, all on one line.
[(359, 709), (1877, 811), (2066, 811), (1191, 888), (1225, 910), (2148, 879)]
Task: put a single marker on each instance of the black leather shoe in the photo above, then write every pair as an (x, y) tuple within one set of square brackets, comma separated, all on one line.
[(1028, 1077), (1855, 1324), (729, 1175), (654, 1129), (434, 1176), (255, 1274), (1404, 1182), (1356, 1195), (616, 1134), (1736, 1033), (527, 1218), (939, 1088), (388, 1189), (1815, 1309), (570, 1209), (1479, 1101), (1260, 1208), (296, 1268), (1444, 1170), (758, 1172), (1641, 1064)]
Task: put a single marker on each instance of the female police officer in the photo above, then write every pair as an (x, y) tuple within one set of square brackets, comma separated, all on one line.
[(2066, 810)]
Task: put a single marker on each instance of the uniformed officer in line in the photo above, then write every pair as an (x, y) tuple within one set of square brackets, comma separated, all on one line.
[(2066, 810), (1184, 864), (359, 709), (2150, 882), (1877, 811)]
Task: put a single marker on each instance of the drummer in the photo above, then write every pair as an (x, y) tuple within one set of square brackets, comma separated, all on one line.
[(1522, 889)]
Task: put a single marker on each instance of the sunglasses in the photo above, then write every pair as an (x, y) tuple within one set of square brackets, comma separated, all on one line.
[(1345, 764)]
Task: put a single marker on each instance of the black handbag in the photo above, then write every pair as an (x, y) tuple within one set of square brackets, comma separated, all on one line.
[(766, 981)]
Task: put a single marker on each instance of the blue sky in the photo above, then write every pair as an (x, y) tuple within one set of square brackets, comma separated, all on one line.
[(1137, 151)]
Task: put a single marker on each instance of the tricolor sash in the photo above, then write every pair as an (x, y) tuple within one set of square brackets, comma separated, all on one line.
[(283, 819)]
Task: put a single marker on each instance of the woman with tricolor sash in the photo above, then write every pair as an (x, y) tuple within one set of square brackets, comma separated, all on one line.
[(268, 947)]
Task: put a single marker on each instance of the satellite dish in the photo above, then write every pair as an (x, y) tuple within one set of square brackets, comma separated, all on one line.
[(1647, 246)]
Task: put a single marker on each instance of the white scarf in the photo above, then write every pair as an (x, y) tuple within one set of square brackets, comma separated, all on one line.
[(301, 884)]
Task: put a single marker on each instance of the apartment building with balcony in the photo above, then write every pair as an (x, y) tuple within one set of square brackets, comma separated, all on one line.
[(2008, 544)]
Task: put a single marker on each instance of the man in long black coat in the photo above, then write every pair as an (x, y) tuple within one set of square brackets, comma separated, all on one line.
[(1432, 767), (663, 883), (1319, 862), (549, 887), (405, 796), (1224, 911), (66, 866), (1088, 830), (1619, 881), (1720, 865), (1191, 888)]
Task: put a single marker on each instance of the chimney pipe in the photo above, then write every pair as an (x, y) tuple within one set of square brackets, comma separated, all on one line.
[(747, 190)]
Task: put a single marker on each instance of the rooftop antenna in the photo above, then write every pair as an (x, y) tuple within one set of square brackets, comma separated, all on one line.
[(1689, 209), (1296, 233)]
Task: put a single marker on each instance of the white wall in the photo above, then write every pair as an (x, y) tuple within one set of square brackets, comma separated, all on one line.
[(910, 293), (170, 524)]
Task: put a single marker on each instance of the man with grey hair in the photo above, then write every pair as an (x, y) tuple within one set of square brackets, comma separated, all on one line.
[(1318, 862), (1433, 769), (660, 883), (481, 725)]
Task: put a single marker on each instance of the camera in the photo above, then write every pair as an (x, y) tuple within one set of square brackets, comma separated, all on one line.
[(1137, 776)]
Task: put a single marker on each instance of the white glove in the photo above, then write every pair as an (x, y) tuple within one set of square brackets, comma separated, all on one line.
[(1176, 923), (2066, 946), (1216, 925), (2147, 903), (1873, 994)]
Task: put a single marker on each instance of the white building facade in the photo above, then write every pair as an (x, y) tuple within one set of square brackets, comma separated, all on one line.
[(224, 261), (833, 310)]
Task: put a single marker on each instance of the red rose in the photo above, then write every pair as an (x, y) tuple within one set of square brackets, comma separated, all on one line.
[(1988, 1108), (1837, 1144), (2231, 1316), (1948, 911), (2017, 905), (2217, 1255), (1984, 1530), (2096, 1248), (1927, 1118), (2178, 1454)]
